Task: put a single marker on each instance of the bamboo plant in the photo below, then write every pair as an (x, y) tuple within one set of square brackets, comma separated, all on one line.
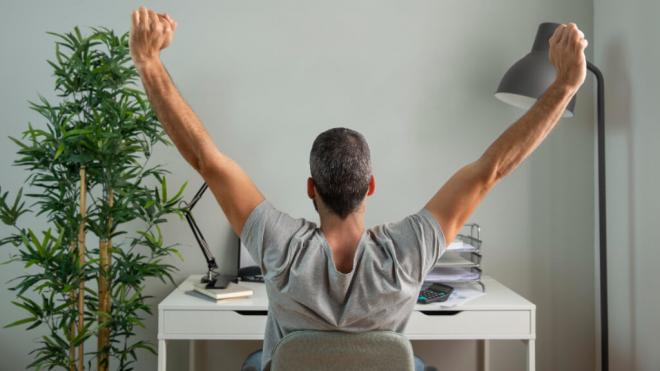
[(89, 178)]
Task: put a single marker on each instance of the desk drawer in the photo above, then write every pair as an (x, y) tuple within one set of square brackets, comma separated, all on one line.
[(213, 322), (469, 324)]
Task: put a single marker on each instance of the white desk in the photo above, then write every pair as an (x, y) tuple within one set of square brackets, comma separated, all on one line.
[(498, 315)]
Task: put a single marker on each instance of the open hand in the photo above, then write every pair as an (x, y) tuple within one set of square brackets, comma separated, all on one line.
[(150, 33), (567, 46)]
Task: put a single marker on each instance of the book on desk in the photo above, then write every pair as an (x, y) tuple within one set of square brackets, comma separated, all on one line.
[(232, 291)]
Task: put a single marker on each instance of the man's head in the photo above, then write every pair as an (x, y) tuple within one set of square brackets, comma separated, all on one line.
[(340, 163)]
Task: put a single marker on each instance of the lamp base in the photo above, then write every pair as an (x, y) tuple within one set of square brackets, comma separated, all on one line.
[(213, 280), (209, 276)]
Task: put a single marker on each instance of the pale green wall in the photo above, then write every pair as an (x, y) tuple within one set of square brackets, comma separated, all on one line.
[(416, 77), (626, 49)]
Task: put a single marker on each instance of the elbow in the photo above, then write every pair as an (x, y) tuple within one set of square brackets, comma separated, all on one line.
[(491, 170), (203, 168), (209, 164), (201, 163), (200, 158), (197, 164)]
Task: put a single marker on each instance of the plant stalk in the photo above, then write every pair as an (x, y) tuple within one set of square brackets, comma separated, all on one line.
[(105, 256), (72, 329), (81, 261)]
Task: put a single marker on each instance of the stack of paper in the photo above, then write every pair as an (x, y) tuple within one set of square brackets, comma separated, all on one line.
[(455, 260), (453, 274), (459, 245)]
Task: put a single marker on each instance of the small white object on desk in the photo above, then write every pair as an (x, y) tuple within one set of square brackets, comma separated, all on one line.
[(461, 295), (461, 246), (452, 274), (231, 291)]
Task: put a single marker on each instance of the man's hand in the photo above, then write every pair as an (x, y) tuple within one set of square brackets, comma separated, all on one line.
[(150, 33), (567, 46)]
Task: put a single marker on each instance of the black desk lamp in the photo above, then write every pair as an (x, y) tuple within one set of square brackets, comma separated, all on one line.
[(211, 278), (521, 86)]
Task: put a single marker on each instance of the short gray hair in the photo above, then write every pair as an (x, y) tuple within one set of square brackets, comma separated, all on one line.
[(340, 163)]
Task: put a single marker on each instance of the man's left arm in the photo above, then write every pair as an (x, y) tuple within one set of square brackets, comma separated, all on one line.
[(233, 189), (457, 199)]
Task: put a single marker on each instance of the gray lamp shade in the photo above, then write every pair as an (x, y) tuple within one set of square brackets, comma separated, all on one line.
[(531, 76)]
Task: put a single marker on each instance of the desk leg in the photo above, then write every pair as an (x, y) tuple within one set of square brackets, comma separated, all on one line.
[(192, 350), (531, 354), (162, 355), (483, 349)]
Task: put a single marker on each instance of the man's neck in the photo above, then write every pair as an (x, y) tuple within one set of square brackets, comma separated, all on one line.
[(342, 234)]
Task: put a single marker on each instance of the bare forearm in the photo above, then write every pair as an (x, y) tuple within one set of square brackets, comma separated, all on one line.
[(522, 138), (179, 121)]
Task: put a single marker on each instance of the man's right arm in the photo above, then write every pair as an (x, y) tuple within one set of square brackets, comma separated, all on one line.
[(231, 186), (453, 204)]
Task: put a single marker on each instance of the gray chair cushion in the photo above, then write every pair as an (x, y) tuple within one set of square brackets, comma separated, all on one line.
[(324, 350)]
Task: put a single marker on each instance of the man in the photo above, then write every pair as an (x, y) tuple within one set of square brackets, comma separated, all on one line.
[(341, 276)]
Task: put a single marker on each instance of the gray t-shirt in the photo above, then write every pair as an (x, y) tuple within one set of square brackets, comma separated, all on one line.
[(306, 292)]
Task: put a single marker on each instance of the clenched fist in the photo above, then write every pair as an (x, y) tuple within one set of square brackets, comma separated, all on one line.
[(567, 46), (150, 33)]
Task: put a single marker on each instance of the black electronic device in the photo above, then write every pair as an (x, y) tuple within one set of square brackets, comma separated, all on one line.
[(250, 274), (435, 293)]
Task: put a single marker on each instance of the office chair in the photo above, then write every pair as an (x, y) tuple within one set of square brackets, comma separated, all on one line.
[(326, 350)]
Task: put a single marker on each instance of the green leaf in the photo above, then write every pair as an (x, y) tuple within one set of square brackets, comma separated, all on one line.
[(177, 253), (19, 143), (60, 149), (21, 322)]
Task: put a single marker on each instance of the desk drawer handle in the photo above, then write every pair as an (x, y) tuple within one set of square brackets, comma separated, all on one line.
[(252, 312), (440, 312)]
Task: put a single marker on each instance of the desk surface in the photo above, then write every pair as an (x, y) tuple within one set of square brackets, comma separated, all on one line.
[(498, 297)]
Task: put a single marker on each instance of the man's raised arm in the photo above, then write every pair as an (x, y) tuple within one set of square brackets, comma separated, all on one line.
[(457, 199), (232, 188)]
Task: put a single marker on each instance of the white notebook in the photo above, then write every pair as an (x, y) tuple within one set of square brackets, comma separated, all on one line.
[(231, 291)]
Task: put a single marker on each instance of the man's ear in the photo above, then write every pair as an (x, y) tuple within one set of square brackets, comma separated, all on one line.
[(311, 192), (372, 186)]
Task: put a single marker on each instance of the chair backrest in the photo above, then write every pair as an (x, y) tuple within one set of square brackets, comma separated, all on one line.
[(325, 350)]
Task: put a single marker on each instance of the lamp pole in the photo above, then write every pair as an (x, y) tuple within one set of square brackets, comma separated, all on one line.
[(602, 215)]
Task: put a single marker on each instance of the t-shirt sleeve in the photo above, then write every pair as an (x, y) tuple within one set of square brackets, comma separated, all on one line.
[(266, 235), (418, 242), (434, 243)]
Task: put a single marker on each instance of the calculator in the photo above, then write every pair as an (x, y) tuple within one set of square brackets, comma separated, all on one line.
[(436, 293)]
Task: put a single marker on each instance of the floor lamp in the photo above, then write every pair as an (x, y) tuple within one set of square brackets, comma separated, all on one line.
[(521, 86)]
